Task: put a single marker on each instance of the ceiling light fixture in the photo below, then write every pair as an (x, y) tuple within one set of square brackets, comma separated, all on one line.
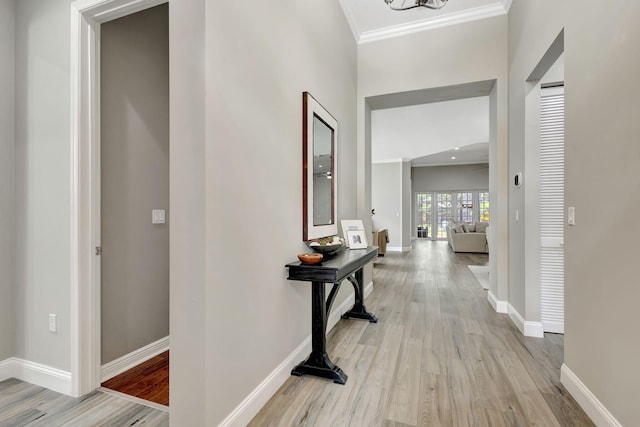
[(453, 157), (429, 4)]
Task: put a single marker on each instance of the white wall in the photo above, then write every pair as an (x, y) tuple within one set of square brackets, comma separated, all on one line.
[(602, 66), (236, 322), (406, 206), (7, 145), (187, 83), (135, 180), (42, 180), (386, 199), (467, 53)]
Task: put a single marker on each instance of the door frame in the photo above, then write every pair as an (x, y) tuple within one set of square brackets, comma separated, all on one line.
[(86, 19)]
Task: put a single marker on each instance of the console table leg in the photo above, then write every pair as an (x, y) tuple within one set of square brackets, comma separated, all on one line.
[(359, 311), (318, 363)]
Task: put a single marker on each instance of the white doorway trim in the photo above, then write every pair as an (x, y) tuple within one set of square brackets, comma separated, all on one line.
[(86, 18)]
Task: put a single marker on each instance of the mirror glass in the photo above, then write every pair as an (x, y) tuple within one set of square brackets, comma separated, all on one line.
[(319, 170), (322, 172)]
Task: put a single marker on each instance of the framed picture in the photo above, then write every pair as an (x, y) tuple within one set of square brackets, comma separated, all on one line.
[(350, 225), (357, 239)]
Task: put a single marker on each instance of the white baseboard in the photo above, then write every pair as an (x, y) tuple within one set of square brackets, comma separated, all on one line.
[(528, 328), (398, 248), (498, 306), (553, 327), (136, 357), (6, 369), (36, 373), (589, 403), (250, 406)]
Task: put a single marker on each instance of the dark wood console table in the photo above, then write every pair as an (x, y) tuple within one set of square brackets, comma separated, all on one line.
[(346, 265)]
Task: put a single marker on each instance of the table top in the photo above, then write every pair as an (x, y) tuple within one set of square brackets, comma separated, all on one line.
[(334, 269)]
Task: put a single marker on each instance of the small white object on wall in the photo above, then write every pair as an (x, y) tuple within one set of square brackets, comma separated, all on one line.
[(517, 181), (158, 216), (571, 215)]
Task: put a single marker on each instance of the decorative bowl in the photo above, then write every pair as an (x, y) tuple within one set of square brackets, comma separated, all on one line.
[(329, 249), (310, 258)]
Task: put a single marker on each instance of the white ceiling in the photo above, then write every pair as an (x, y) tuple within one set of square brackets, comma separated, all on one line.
[(466, 155), (428, 134), (373, 19)]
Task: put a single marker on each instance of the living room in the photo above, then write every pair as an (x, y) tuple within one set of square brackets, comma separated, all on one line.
[(428, 174)]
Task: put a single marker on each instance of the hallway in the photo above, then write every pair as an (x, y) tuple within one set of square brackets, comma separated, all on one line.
[(439, 356)]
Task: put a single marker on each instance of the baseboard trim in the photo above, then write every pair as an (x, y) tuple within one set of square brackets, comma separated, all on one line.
[(598, 413), (398, 248), (527, 328), (498, 306), (6, 369), (244, 413), (136, 357), (36, 373), (553, 327)]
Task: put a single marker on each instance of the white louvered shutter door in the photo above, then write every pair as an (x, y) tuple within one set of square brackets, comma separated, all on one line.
[(552, 209)]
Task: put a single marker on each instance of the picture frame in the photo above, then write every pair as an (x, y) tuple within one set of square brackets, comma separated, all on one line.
[(357, 239), (350, 225)]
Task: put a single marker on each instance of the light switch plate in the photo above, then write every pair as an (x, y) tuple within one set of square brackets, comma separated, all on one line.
[(571, 215), (158, 216)]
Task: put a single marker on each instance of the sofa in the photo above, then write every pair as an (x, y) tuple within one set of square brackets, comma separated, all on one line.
[(468, 237)]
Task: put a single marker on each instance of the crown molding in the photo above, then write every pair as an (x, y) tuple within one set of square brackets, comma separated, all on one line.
[(455, 18)]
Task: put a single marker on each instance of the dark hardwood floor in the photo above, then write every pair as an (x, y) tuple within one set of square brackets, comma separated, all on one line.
[(439, 356), (148, 381)]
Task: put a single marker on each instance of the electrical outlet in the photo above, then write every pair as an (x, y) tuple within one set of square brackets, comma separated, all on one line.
[(53, 324)]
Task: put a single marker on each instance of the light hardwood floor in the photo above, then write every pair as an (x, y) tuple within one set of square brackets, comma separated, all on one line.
[(439, 356), (23, 404)]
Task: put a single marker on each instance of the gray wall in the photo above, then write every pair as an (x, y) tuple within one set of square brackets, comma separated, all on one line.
[(42, 272), (475, 51), (7, 144), (135, 180), (601, 151), (386, 199), (602, 66), (245, 165), (531, 33), (450, 178)]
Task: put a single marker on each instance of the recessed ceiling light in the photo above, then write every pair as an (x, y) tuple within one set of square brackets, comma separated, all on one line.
[(457, 148), (453, 157)]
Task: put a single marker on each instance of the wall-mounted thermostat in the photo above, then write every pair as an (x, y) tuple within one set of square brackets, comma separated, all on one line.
[(518, 179)]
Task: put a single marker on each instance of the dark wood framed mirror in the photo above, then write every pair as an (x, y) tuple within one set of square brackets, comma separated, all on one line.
[(319, 165)]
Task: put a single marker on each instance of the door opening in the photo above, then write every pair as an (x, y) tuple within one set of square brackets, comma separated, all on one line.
[(134, 202)]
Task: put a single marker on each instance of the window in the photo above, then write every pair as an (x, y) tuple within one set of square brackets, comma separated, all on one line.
[(424, 214), (483, 206), (435, 210), (464, 207), (444, 214)]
